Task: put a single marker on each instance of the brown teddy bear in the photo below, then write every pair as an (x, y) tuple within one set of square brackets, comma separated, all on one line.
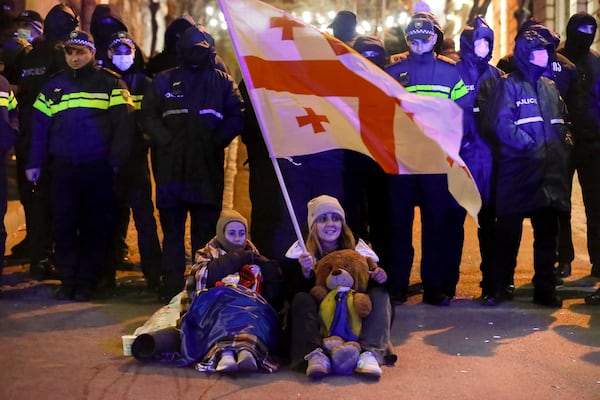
[(341, 283)]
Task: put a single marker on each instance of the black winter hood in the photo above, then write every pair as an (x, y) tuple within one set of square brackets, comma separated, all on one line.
[(175, 29), (372, 49), (532, 25), (104, 24), (196, 49), (578, 39), (476, 30), (60, 21), (525, 43)]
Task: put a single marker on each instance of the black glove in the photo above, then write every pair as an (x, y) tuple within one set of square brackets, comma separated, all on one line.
[(227, 264)]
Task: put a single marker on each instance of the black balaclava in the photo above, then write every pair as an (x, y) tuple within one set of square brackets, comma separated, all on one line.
[(372, 49), (578, 40), (60, 21), (196, 50)]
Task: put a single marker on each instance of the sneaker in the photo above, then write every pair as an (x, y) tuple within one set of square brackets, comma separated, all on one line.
[(227, 362), (368, 365), (318, 364), (246, 361)]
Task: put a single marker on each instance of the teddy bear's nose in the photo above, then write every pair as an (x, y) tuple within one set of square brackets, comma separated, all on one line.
[(336, 272)]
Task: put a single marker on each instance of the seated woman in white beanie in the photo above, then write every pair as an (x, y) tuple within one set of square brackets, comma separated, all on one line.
[(329, 232)]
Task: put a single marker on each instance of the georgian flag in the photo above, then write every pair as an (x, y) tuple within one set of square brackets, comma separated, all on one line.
[(312, 93)]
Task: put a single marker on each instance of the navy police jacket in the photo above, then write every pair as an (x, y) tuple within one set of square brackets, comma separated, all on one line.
[(532, 152), (191, 116), (82, 116)]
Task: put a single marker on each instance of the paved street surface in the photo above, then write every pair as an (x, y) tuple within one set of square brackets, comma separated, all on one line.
[(63, 350)]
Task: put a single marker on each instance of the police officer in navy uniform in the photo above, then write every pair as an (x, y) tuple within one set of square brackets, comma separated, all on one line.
[(192, 112), (8, 134), (581, 33), (424, 73), (45, 59), (82, 125), (529, 120), (134, 187), (476, 44)]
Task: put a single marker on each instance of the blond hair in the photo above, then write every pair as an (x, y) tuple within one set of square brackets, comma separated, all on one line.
[(313, 244)]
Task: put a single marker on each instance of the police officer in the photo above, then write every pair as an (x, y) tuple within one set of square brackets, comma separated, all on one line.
[(476, 44), (45, 59), (82, 124), (192, 112), (134, 188), (528, 116), (581, 31), (8, 134), (423, 72)]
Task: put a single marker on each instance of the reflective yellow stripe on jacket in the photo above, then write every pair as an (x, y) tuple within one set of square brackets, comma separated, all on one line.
[(8, 100), (137, 101), (459, 90), (67, 101)]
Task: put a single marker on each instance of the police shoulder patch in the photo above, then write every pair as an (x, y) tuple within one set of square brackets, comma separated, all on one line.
[(445, 59), (111, 72)]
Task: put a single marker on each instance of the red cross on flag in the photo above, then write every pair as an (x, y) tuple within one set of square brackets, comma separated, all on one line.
[(312, 93)]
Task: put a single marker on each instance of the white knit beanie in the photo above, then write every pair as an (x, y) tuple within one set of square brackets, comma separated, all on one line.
[(321, 205)]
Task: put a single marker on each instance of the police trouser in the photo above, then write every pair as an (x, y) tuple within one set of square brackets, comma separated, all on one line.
[(82, 199), (508, 230), (3, 208), (273, 233), (35, 199), (139, 197), (442, 225), (203, 222), (134, 192), (587, 163)]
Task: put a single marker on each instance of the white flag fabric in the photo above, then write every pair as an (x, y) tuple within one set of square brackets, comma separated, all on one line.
[(312, 93)]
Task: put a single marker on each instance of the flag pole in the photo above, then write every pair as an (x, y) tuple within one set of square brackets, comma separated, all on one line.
[(251, 93)]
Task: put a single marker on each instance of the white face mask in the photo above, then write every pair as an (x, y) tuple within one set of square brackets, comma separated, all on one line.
[(539, 58), (123, 62), (481, 48)]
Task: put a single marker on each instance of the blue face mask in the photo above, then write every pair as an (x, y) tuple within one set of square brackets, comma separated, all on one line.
[(123, 62), (24, 34)]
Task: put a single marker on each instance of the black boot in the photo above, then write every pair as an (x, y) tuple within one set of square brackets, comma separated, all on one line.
[(593, 299), (547, 299), (563, 270)]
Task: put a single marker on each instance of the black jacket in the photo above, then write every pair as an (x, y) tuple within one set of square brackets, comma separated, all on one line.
[(532, 154), (479, 78), (191, 116)]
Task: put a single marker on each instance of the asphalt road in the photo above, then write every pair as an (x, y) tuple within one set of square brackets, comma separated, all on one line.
[(62, 350)]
